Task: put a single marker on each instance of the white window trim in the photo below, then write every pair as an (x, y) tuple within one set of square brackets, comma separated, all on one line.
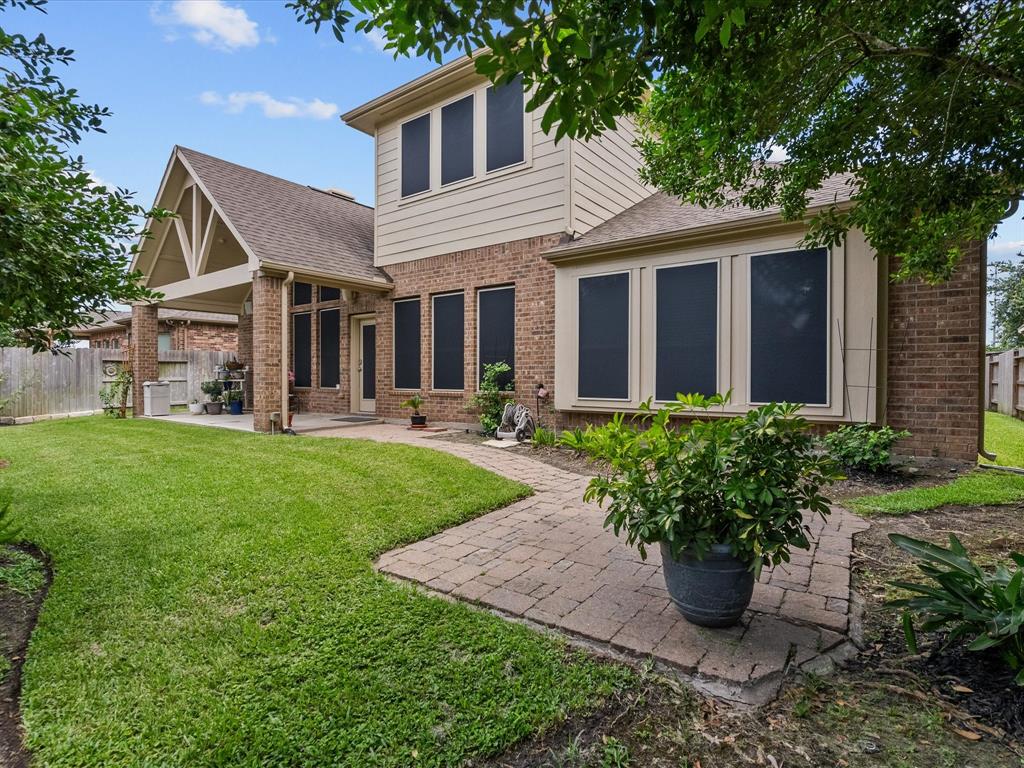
[(718, 324), (481, 176), (430, 157), (828, 331), (394, 337), (478, 372), (630, 342), (433, 298)]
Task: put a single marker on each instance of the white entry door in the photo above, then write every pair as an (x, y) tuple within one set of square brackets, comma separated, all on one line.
[(366, 375)]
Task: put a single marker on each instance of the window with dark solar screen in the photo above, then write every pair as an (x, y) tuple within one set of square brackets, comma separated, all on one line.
[(497, 331), (789, 327), (407, 344), (505, 124), (449, 346), (303, 338), (686, 330), (329, 294), (457, 140), (416, 156), (330, 347), (302, 293), (604, 337)]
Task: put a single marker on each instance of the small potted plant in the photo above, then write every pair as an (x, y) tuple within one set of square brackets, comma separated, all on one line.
[(721, 496), (195, 407), (417, 420), (234, 398), (213, 389)]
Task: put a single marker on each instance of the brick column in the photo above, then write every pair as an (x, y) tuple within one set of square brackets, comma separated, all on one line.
[(266, 351), (145, 366)]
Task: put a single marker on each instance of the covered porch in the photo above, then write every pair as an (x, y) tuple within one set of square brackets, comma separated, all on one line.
[(293, 263)]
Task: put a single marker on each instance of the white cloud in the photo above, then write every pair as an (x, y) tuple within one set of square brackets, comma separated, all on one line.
[(211, 22), (999, 247), (778, 154), (376, 38), (237, 102)]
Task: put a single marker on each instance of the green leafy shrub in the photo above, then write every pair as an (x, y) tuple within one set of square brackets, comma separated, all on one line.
[(9, 532), (573, 439), (114, 396), (862, 446), (983, 608), (495, 390), (744, 481), (544, 437), (213, 389), (234, 394), (415, 402)]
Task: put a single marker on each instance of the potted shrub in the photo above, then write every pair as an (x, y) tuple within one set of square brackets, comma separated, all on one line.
[(722, 497), (213, 389), (417, 420), (234, 398), (195, 407)]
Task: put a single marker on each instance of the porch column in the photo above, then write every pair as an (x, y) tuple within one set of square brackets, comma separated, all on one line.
[(266, 351), (145, 363), (245, 352)]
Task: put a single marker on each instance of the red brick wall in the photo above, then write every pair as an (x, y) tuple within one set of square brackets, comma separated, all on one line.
[(143, 352), (187, 335), (115, 337), (935, 347), (266, 344)]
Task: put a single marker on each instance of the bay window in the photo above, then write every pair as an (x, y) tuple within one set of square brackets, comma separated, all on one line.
[(604, 337), (686, 330)]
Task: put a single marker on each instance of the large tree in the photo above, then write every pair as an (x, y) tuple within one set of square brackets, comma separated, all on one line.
[(922, 101), (1006, 294), (65, 240)]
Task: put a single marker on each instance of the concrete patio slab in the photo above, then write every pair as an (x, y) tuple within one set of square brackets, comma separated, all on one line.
[(548, 560), (301, 422)]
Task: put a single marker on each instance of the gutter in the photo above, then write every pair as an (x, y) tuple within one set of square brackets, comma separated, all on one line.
[(285, 286), (323, 278)]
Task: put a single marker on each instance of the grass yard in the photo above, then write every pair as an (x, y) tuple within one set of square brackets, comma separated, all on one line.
[(213, 603), (1004, 436)]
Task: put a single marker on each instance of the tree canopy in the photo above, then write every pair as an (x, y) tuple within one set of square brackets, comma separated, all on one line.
[(66, 241), (921, 102), (1006, 293)]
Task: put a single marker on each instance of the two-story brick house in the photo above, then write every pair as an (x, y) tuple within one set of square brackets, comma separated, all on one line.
[(488, 241)]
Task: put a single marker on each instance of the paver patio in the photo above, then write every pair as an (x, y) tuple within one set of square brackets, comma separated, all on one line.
[(547, 559)]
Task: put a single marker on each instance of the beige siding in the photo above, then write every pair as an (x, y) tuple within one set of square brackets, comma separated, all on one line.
[(528, 201), (605, 177)]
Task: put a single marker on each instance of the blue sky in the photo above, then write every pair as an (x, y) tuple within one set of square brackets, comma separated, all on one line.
[(240, 80)]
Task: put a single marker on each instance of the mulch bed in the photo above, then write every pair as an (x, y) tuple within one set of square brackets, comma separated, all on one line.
[(978, 683), (18, 615)]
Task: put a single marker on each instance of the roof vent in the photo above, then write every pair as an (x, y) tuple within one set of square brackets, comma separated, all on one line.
[(344, 195)]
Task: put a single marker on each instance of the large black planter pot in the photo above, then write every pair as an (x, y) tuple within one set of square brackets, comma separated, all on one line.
[(713, 592), (418, 420)]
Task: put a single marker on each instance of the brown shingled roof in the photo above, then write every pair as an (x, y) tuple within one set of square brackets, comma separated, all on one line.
[(287, 224), (661, 216)]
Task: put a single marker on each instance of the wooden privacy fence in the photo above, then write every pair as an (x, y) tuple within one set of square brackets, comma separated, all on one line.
[(1004, 382), (46, 384)]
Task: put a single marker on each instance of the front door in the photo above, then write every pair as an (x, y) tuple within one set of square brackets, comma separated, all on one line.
[(366, 377)]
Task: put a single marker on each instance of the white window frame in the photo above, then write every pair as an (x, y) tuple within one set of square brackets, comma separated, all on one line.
[(718, 324), (433, 297), (630, 342), (479, 365), (394, 337), (430, 155), (472, 95)]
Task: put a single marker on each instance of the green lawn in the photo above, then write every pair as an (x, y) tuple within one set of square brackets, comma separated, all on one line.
[(1004, 436), (214, 604)]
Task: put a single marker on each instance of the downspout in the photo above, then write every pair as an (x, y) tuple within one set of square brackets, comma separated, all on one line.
[(285, 428)]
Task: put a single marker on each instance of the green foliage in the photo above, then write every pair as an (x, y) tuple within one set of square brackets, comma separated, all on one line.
[(614, 754), (574, 439), (415, 402), (744, 481), (9, 532), (234, 394), (65, 241), (494, 392), (237, 615), (20, 572), (862, 446), (976, 489), (114, 395), (213, 389), (1006, 296), (912, 97), (983, 608), (544, 437)]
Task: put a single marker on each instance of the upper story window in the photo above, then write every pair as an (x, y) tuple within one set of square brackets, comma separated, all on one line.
[(453, 143), (416, 155)]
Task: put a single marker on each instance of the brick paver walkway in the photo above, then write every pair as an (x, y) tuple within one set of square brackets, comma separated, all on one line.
[(548, 559)]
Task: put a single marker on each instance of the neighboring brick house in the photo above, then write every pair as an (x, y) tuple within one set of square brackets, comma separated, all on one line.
[(177, 329), (489, 242)]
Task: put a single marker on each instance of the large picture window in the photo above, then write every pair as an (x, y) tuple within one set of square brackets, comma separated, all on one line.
[(604, 337), (789, 327), (416, 155), (407, 344), (302, 333), (457, 140), (505, 124), (330, 347), (686, 330), (496, 330), (448, 342)]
